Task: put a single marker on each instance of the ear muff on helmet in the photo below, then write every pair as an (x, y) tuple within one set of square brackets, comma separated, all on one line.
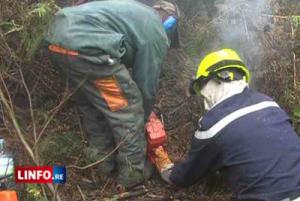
[(196, 85), (171, 28), (169, 23), (170, 17), (173, 35)]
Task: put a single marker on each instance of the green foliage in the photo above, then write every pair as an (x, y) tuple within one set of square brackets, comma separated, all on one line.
[(35, 26), (34, 193), (295, 20), (59, 147), (296, 112), (27, 30)]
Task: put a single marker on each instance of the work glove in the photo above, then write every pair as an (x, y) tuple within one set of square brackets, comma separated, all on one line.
[(165, 175), (163, 163)]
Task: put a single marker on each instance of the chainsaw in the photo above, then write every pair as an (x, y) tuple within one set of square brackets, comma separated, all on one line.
[(156, 136)]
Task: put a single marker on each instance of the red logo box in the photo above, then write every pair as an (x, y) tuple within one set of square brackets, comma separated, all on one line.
[(34, 174)]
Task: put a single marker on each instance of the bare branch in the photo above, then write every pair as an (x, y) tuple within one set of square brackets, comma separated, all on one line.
[(56, 109), (7, 93), (81, 193), (16, 125), (99, 161), (30, 104)]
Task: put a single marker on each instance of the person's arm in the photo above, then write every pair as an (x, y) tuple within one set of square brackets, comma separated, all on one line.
[(146, 71), (203, 157)]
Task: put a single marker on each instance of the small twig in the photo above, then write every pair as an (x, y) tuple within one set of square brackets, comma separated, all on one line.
[(99, 161), (104, 158), (159, 197), (44, 192), (181, 104), (54, 193), (4, 120), (10, 77), (81, 193), (104, 187), (22, 138), (175, 130), (276, 16), (35, 84), (51, 117), (56, 109), (7, 92), (127, 195), (42, 81), (31, 113), (30, 104), (16, 125), (14, 30), (7, 47), (294, 58), (83, 137)]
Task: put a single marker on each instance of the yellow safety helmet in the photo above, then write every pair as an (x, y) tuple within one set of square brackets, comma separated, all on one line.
[(225, 65)]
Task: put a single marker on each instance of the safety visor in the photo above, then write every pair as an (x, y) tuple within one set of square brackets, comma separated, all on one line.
[(225, 75)]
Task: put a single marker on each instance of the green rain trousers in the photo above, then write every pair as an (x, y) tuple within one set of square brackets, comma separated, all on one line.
[(123, 127), (98, 42)]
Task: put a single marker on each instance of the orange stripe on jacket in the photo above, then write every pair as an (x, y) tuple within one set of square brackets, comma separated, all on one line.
[(112, 93), (61, 50)]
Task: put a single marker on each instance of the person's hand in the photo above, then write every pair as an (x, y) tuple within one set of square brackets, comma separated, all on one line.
[(165, 175), (163, 163), (162, 160)]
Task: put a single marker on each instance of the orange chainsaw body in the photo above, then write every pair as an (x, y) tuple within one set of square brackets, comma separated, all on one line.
[(156, 135)]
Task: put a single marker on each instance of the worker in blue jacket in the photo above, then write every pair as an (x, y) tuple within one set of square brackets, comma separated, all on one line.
[(244, 135)]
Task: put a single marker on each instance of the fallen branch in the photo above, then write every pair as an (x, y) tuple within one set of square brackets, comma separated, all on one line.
[(140, 190)]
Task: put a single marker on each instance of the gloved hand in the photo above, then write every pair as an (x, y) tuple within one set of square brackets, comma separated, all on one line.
[(163, 163), (165, 175)]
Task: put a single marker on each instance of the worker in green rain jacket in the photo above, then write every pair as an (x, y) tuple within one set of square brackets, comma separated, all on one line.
[(111, 53)]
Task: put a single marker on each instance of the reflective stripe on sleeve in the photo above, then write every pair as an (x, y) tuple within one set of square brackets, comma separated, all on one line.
[(231, 117)]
